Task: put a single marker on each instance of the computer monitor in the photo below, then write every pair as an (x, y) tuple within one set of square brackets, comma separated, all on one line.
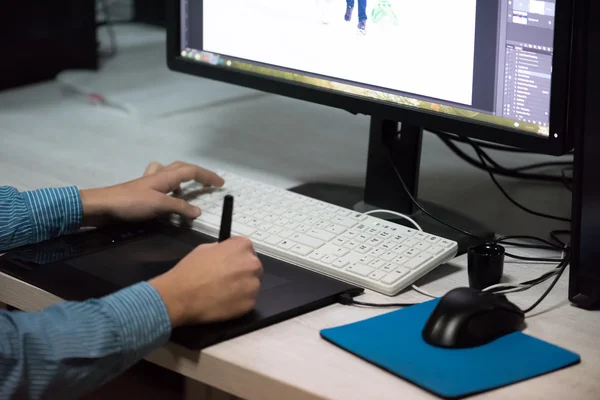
[(493, 70)]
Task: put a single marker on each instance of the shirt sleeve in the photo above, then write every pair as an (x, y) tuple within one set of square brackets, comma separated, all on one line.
[(34, 216), (72, 348)]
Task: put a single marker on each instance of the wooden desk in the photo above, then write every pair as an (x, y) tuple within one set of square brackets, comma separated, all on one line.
[(49, 139)]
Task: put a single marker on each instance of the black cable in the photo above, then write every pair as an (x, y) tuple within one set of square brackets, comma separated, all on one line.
[(498, 169), (522, 207), (548, 245), (562, 266), (416, 203), (535, 259), (347, 300), (554, 235), (542, 165)]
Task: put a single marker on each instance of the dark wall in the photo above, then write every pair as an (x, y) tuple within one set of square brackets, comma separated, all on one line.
[(40, 38), (151, 12)]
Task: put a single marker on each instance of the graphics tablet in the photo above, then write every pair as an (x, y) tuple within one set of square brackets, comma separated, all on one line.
[(98, 262)]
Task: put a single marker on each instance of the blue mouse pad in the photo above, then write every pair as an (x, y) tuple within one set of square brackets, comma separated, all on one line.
[(393, 342)]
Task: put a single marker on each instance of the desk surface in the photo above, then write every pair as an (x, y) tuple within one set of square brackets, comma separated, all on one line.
[(50, 138)]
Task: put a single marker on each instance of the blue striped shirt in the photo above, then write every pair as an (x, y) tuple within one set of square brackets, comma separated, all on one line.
[(70, 348)]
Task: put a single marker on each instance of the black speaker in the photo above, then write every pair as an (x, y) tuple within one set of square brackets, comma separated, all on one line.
[(584, 282), (40, 38)]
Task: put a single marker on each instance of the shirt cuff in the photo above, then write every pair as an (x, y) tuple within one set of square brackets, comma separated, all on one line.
[(142, 318), (54, 212)]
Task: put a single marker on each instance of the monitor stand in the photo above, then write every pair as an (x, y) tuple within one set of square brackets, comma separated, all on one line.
[(383, 189)]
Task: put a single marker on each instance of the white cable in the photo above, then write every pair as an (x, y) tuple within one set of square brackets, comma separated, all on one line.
[(418, 227), (423, 292), (504, 285), (406, 217)]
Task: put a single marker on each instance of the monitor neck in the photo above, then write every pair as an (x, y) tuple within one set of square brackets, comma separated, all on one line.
[(382, 187)]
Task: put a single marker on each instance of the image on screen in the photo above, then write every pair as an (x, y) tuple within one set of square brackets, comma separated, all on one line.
[(484, 60)]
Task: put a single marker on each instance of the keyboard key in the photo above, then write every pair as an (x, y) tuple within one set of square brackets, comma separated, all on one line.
[(376, 252), (339, 241), (433, 239), (286, 233), (242, 230), (336, 229), (350, 234), (400, 249), (360, 269), (421, 236), (411, 253), (328, 259), (445, 243), (358, 217), (273, 240), (307, 240), (340, 263), (389, 267), (260, 236), (317, 255), (365, 260), (398, 239), (339, 251), (394, 276), (372, 231), (274, 230), (286, 244), (351, 245), (377, 263), (363, 248), (265, 226), (302, 250), (361, 228), (388, 246), (344, 212), (418, 260), (320, 234), (400, 260), (374, 242), (384, 235), (210, 219), (435, 250), (389, 256), (422, 246), (362, 237), (411, 242), (292, 225), (376, 275)]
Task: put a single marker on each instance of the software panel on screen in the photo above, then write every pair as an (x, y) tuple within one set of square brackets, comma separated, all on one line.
[(426, 47)]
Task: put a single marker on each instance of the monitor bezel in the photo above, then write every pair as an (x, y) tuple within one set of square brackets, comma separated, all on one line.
[(562, 90)]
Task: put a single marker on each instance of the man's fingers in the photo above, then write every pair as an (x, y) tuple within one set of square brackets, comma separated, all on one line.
[(153, 168), (168, 181), (178, 206)]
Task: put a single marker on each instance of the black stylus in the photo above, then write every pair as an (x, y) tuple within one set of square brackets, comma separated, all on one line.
[(225, 231)]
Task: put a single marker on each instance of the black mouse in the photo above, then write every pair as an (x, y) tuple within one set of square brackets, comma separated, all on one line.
[(467, 317)]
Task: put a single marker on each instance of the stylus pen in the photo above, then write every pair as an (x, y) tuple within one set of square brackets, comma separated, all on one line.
[(225, 231)]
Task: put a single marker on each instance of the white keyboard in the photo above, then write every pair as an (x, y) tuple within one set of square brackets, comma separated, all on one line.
[(360, 249)]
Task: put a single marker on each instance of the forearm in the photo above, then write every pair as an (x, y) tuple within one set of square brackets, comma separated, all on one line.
[(34, 216), (71, 348)]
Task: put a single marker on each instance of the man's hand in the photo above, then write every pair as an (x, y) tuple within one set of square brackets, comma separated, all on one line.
[(213, 283), (147, 197)]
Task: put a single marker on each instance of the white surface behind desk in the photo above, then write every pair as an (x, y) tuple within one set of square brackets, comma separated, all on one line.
[(49, 139)]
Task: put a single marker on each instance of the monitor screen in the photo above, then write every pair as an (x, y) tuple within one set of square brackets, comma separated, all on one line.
[(489, 61)]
